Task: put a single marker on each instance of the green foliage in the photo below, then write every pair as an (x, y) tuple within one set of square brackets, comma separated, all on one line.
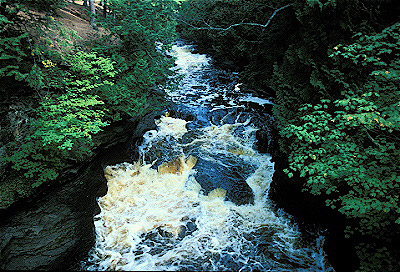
[(13, 50), (251, 50), (336, 99), (25, 38), (37, 5), (78, 93), (348, 148), (144, 30), (372, 256), (64, 124)]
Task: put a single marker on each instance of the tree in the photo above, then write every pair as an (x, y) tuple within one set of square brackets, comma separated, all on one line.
[(104, 8), (145, 30), (93, 14), (207, 26), (75, 93), (23, 37), (348, 148)]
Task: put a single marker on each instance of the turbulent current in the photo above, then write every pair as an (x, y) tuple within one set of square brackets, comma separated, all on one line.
[(197, 199)]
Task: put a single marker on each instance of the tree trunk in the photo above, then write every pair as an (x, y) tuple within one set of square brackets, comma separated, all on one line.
[(92, 14), (85, 3), (105, 8), (3, 10)]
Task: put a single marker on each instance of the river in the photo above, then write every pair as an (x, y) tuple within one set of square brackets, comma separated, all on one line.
[(197, 199)]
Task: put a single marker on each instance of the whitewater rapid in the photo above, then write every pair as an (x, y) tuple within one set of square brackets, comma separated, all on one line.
[(197, 199)]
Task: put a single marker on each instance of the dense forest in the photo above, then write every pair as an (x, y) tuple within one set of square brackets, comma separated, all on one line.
[(332, 67)]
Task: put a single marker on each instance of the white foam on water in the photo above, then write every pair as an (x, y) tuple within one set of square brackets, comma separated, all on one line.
[(254, 99), (171, 126), (187, 61), (161, 219), (142, 203)]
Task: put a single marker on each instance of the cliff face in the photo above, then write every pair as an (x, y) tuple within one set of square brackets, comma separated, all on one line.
[(51, 227), (54, 229), (49, 232)]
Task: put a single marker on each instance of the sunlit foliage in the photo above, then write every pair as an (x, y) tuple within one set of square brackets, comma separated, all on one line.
[(78, 90)]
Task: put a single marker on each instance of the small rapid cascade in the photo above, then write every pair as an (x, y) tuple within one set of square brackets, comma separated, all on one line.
[(198, 197)]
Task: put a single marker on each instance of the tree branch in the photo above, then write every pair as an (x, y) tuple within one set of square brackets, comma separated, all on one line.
[(221, 29), (372, 139)]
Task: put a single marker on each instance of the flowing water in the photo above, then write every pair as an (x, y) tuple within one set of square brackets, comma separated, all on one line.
[(198, 197)]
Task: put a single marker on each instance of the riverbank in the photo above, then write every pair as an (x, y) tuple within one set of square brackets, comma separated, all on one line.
[(311, 211), (54, 230), (17, 104)]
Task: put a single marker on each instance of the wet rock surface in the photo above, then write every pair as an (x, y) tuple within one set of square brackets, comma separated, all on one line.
[(54, 230), (233, 179)]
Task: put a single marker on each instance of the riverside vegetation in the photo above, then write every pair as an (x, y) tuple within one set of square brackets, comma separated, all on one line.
[(75, 87), (333, 67)]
